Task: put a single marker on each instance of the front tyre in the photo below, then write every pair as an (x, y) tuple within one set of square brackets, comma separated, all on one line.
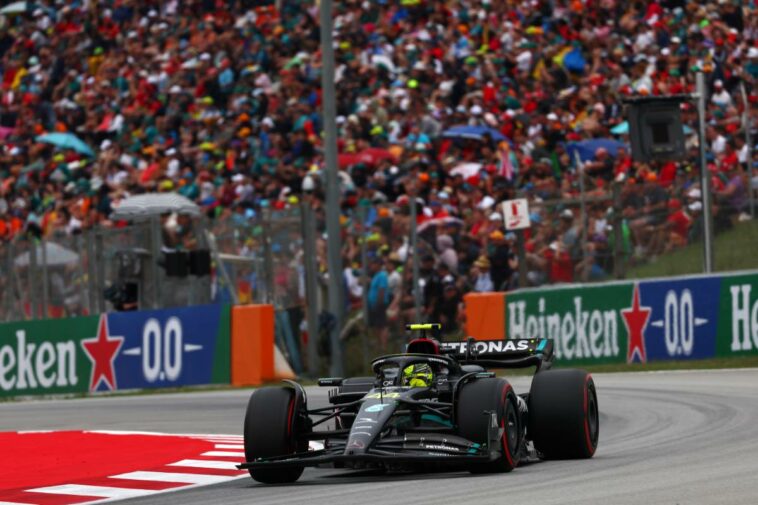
[(488, 395), (563, 414), (271, 430)]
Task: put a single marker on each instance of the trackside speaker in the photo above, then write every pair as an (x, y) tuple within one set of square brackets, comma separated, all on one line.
[(655, 129), (177, 263), (200, 262)]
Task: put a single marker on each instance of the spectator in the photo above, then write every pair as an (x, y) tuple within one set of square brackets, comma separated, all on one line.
[(378, 301), (481, 275), (221, 102)]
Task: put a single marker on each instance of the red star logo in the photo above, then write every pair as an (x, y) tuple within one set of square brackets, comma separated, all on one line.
[(102, 350), (635, 319)]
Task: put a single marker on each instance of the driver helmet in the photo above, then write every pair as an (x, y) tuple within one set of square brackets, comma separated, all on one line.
[(418, 375)]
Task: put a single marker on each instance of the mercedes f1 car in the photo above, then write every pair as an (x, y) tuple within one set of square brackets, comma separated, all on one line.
[(436, 404)]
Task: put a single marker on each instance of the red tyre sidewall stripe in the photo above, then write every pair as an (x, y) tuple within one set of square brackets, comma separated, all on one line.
[(290, 411), (506, 447), (590, 448)]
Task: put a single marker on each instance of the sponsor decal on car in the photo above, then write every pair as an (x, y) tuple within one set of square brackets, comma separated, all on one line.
[(377, 408), (382, 395), (489, 347), (440, 447)]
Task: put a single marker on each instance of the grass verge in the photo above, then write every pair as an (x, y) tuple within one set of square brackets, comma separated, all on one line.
[(732, 250)]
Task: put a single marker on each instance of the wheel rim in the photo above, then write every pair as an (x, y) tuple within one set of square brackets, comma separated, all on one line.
[(511, 429), (593, 421)]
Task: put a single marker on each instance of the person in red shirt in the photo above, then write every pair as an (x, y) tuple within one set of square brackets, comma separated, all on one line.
[(676, 229), (560, 268)]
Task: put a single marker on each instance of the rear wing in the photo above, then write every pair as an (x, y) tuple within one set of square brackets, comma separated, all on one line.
[(509, 353)]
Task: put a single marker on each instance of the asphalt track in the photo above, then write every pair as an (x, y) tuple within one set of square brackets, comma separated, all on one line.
[(666, 438)]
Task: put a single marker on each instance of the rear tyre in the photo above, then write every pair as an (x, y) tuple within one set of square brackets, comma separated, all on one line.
[(563, 414), (271, 430), (485, 395)]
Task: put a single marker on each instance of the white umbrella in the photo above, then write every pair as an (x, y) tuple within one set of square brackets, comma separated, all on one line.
[(55, 255), (384, 61), (439, 221), (154, 204), (466, 169), (14, 8)]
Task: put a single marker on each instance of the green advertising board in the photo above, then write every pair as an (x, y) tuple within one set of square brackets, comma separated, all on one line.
[(116, 351), (45, 357), (678, 318), (586, 323), (738, 321)]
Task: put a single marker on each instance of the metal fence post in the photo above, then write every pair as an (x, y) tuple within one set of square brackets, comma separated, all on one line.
[(311, 285), (100, 275), (521, 252), (8, 288), (705, 179), (156, 242), (618, 234), (32, 273), (91, 272), (583, 210), (747, 125), (414, 251), (362, 214), (268, 259), (45, 280), (80, 272), (18, 300)]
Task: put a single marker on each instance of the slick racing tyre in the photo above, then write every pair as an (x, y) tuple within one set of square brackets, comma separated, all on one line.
[(563, 414), (271, 430), (488, 395)]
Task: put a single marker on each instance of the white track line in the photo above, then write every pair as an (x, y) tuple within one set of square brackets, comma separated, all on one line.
[(217, 437), (13, 503), (229, 446), (224, 454), (185, 478), (101, 491), (199, 463)]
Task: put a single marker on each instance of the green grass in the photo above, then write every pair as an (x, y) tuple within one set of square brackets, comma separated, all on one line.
[(732, 250)]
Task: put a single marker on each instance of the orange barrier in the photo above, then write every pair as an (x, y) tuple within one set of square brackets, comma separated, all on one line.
[(252, 344), (485, 315)]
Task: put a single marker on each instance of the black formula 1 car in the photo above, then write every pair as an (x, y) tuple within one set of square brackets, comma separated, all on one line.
[(437, 404)]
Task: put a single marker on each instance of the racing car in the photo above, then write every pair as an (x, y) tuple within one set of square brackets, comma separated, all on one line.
[(437, 404)]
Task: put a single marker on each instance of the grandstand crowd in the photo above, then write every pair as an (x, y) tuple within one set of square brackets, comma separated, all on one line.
[(221, 102)]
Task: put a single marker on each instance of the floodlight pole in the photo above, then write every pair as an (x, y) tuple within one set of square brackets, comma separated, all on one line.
[(747, 125), (334, 241), (705, 179)]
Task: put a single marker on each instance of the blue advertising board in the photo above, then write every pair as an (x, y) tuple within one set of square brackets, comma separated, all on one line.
[(171, 347), (683, 318)]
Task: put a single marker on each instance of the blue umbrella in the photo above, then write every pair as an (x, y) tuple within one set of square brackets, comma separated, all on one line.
[(66, 141), (473, 132), (623, 129), (587, 148)]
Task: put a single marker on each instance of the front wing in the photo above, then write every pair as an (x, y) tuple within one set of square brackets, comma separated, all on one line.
[(432, 448)]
